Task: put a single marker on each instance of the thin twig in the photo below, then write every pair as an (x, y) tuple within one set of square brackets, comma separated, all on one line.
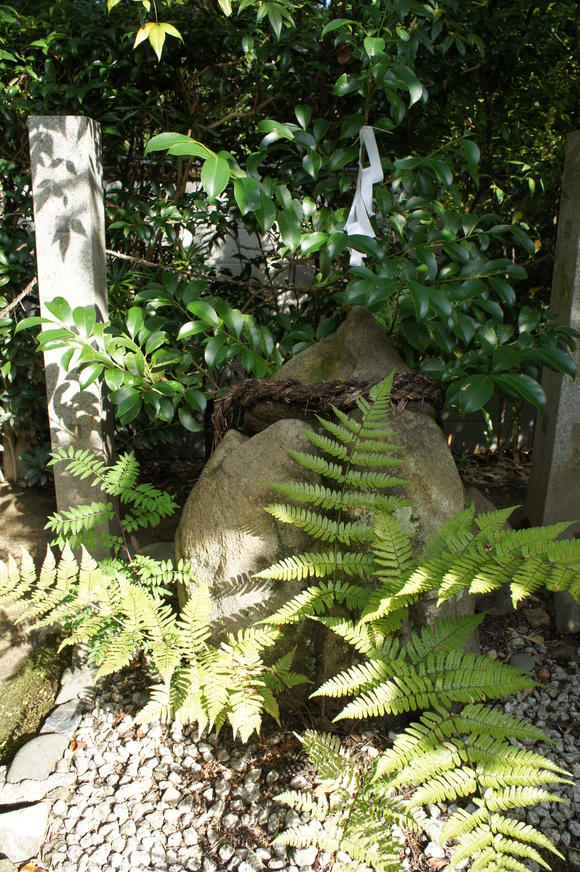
[(20, 297)]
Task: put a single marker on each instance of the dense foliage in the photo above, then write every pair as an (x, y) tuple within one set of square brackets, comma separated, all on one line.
[(275, 94)]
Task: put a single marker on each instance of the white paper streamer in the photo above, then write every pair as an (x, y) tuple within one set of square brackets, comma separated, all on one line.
[(358, 222)]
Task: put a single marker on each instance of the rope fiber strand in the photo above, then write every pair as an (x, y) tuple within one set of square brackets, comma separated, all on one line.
[(407, 387)]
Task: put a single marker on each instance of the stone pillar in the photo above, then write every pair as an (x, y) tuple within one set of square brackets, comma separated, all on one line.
[(554, 486), (69, 220)]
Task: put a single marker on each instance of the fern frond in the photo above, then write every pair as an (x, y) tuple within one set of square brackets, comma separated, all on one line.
[(119, 651), (15, 583), (320, 526), (316, 600), (484, 839), (446, 634), (317, 807), (333, 762), (120, 479), (478, 718), (532, 575), (490, 861), (81, 463), (78, 519), (519, 830), (356, 634), (392, 549), (279, 676), (454, 534), (326, 498), (193, 622), (311, 565), (360, 678), (187, 695), (507, 542), (517, 796), (214, 683), (245, 712), (455, 783), (436, 682), (490, 523), (160, 706), (461, 576)]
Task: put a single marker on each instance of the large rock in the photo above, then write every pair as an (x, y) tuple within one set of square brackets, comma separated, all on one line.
[(225, 531), (226, 534), (359, 350)]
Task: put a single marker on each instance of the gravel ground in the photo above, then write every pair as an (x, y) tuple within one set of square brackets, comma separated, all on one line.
[(150, 797)]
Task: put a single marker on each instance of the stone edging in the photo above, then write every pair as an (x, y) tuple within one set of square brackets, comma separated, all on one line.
[(38, 774)]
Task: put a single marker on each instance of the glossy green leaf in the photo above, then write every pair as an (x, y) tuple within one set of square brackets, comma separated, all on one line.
[(195, 399), (232, 318), (528, 319), (204, 312), (128, 402), (247, 194), (471, 151), (523, 386), (290, 229), (336, 24), (524, 240), (474, 392), (420, 296), (84, 318), (506, 357), (214, 352), (413, 84), (303, 115), (188, 421), (215, 175), (312, 242), (554, 358), (89, 374), (190, 328), (312, 163), (134, 320), (156, 340), (348, 83), (60, 309)]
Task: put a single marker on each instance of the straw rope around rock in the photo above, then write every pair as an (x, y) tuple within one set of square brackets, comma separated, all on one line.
[(407, 387)]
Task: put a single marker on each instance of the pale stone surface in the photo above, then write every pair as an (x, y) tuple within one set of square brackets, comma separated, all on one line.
[(29, 790), (64, 718), (75, 682), (37, 758), (69, 223), (554, 483), (225, 531), (22, 831)]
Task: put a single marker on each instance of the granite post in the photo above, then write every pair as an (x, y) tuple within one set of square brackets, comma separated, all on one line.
[(554, 485), (69, 220)]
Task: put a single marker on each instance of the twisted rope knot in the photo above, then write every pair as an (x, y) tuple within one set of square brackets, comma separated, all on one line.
[(320, 398)]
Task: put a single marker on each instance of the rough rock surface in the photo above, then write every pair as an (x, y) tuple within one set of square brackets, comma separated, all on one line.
[(359, 350), (224, 530), (226, 533)]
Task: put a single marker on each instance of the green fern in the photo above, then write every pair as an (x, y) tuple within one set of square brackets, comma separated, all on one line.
[(450, 753), (118, 608), (84, 525)]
